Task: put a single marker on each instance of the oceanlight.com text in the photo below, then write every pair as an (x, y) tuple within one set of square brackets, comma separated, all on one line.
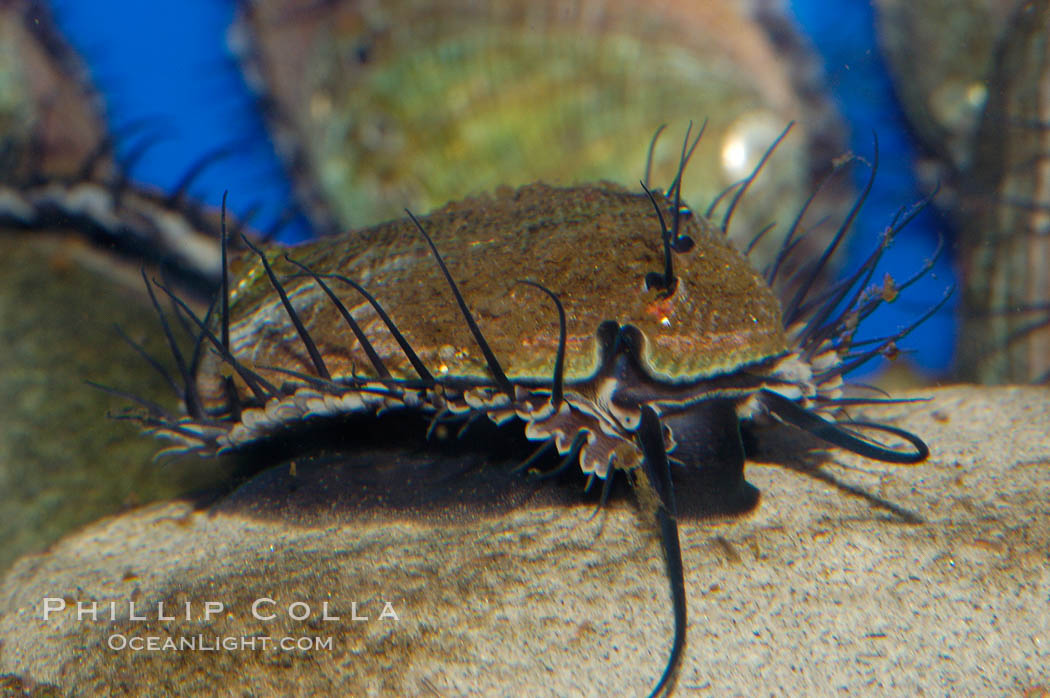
[(217, 643)]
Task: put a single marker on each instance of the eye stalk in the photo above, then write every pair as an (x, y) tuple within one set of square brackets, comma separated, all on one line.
[(666, 282)]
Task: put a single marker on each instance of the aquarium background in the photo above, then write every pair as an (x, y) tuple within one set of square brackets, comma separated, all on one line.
[(170, 63)]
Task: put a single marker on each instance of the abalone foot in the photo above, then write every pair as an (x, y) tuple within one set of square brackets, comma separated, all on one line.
[(706, 492), (708, 460)]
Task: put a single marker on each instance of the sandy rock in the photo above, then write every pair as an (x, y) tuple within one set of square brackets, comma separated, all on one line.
[(63, 464), (849, 577)]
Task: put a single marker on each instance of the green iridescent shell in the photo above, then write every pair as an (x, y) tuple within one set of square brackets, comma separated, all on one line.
[(407, 103)]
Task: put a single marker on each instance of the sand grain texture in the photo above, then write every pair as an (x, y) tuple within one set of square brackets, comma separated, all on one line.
[(943, 588)]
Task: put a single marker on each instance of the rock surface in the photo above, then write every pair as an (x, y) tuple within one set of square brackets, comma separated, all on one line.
[(849, 577), (63, 464)]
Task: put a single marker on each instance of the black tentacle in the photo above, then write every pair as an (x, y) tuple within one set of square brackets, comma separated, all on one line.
[(120, 183), (751, 178), (286, 216), (789, 239), (670, 237), (758, 237), (851, 362), (865, 401), (658, 470), (148, 358), (873, 303), (654, 279), (816, 329), (189, 391), (198, 339), (304, 335), (336, 387), (545, 447), (683, 243), (362, 338), (710, 210), (470, 421), (152, 407), (800, 295), (204, 443), (649, 155), (497, 371), (178, 192), (570, 457), (262, 388), (224, 247), (558, 387), (603, 499), (683, 160), (417, 364), (436, 420), (107, 146), (792, 413)]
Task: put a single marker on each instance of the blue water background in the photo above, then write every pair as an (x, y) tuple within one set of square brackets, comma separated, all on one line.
[(860, 85), (168, 62)]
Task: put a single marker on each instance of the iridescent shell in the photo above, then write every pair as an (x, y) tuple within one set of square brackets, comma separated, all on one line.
[(403, 103)]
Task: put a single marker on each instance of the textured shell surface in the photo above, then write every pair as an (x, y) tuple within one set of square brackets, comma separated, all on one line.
[(590, 245)]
